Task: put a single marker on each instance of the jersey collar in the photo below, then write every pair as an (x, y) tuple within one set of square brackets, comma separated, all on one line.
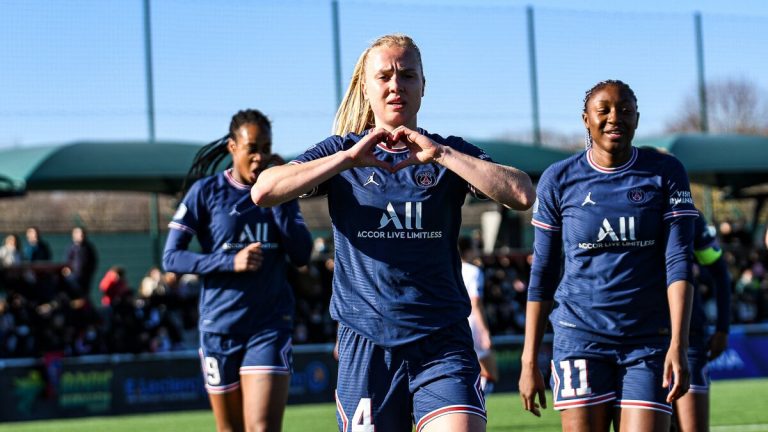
[(613, 170), (236, 184)]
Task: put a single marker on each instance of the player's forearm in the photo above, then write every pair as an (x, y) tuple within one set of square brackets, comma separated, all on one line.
[(279, 184), (680, 298), (184, 261), (536, 314), (503, 184)]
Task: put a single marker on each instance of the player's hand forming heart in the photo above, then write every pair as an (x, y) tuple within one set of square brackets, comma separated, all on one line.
[(362, 153), (422, 149)]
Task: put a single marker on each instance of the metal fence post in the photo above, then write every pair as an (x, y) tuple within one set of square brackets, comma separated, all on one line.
[(534, 77)]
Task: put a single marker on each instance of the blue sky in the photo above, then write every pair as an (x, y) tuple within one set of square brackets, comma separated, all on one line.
[(74, 69)]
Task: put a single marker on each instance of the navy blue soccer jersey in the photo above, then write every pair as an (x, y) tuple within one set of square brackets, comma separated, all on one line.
[(219, 211), (709, 257), (397, 274), (626, 234)]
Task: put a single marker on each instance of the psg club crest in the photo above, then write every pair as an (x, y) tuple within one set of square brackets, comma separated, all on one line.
[(636, 195), (425, 179)]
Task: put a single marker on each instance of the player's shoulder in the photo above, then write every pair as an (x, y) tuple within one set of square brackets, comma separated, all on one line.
[(657, 159), (331, 145), (562, 168), (203, 184), (445, 140)]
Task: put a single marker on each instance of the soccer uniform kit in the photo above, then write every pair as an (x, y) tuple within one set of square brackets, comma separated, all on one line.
[(709, 257), (246, 318), (626, 234), (405, 349)]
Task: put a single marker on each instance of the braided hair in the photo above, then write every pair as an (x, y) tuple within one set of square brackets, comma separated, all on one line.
[(599, 86), (210, 155)]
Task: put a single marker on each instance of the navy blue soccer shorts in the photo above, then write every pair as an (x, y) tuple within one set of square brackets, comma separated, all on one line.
[(589, 373), (391, 389), (697, 364), (226, 357)]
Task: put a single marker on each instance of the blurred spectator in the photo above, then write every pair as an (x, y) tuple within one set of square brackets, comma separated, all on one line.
[(161, 342), (81, 262), (113, 285), (153, 283), (10, 254), (36, 248), (735, 233), (320, 247)]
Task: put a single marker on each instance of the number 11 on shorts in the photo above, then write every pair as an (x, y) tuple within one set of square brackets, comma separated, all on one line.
[(568, 390)]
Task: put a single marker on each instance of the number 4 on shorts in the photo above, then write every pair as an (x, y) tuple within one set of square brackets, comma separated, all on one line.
[(362, 421)]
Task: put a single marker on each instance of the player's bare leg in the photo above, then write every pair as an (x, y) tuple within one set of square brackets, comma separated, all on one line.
[(264, 398), (692, 412), (593, 418), (456, 423), (228, 411), (634, 420)]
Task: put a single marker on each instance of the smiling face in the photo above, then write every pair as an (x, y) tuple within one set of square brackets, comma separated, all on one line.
[(611, 118), (251, 150), (393, 85)]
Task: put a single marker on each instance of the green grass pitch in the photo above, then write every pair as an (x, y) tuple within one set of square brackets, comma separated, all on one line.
[(737, 406)]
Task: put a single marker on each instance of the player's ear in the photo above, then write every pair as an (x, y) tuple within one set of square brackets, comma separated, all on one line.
[(231, 145), (585, 120)]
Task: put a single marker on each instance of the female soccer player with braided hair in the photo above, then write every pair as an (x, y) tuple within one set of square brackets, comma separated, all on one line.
[(623, 217), (395, 193), (246, 305)]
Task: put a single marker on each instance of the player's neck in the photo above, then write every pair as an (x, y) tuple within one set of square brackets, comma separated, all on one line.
[(606, 159)]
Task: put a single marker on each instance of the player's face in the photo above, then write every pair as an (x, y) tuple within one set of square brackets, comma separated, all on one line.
[(394, 85), (251, 151), (611, 119)]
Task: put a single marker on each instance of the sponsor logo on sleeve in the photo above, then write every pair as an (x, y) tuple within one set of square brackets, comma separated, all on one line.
[(680, 197)]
